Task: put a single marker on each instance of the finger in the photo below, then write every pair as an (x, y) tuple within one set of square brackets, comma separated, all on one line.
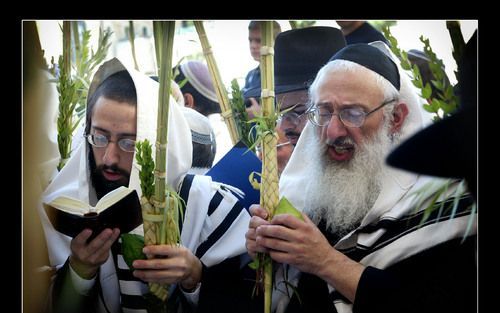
[(253, 248), (99, 248), (81, 239), (163, 250), (273, 244), (104, 240), (84, 250), (257, 210), (287, 220), (256, 221), (281, 257), (162, 277), (275, 231), (151, 264), (175, 261), (250, 234)]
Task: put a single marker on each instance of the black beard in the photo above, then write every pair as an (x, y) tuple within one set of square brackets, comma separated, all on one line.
[(101, 184)]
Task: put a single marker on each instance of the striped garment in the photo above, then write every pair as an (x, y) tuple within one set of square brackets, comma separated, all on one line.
[(213, 229), (440, 250)]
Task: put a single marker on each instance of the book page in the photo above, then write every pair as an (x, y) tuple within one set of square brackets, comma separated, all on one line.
[(111, 198), (70, 205)]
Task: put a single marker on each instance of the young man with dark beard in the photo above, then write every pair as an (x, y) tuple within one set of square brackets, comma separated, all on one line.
[(92, 276), (363, 245)]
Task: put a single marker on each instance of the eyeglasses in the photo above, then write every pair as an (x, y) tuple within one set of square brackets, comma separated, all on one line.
[(353, 116), (258, 148), (292, 118), (283, 144), (101, 141)]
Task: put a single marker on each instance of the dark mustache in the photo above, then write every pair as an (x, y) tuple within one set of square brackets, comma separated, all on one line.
[(113, 168), (289, 133)]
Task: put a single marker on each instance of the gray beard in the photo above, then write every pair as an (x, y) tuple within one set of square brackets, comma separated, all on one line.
[(342, 193)]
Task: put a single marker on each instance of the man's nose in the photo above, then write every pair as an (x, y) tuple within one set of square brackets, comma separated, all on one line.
[(335, 128), (112, 153)]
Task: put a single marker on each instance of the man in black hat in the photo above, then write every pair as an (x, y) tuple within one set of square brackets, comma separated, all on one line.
[(366, 243), (298, 56)]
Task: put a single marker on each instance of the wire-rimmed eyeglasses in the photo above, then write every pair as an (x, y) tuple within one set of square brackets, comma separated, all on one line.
[(353, 116), (101, 141), (258, 148), (291, 118)]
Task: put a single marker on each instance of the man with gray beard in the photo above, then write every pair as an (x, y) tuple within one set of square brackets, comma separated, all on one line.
[(366, 243), (342, 193)]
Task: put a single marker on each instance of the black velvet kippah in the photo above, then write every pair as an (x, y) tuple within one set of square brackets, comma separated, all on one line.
[(371, 58)]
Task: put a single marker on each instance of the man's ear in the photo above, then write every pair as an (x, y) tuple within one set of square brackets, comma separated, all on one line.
[(399, 115), (189, 100)]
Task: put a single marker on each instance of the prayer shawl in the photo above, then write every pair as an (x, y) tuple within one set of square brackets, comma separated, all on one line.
[(213, 229), (392, 230), (74, 178)]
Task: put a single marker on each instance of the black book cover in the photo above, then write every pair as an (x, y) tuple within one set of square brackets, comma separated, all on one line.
[(125, 214)]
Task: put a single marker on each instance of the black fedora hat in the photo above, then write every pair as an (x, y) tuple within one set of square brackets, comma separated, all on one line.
[(448, 148), (298, 56)]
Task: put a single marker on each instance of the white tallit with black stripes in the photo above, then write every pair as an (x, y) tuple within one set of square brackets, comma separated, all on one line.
[(213, 229)]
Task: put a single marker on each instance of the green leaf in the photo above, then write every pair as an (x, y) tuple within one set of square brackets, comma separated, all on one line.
[(427, 91), (146, 173), (285, 207), (405, 65), (132, 245), (254, 264)]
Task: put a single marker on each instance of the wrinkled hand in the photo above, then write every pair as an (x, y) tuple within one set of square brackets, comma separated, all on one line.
[(295, 242), (170, 264), (86, 258), (259, 216)]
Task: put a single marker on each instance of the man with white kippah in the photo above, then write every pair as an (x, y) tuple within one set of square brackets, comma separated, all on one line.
[(367, 241), (199, 94), (203, 137)]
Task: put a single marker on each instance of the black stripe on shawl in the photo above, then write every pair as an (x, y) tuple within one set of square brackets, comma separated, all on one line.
[(186, 186), (133, 301), (219, 231), (399, 228), (214, 203), (127, 301), (187, 182)]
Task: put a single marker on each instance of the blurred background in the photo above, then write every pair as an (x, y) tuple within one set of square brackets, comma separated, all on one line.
[(229, 40)]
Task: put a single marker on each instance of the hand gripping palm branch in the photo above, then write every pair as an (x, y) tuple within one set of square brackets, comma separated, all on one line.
[(160, 210)]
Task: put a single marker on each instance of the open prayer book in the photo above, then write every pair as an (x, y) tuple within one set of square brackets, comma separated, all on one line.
[(119, 208)]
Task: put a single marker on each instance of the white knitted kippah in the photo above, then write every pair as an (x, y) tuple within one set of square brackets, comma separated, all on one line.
[(198, 75), (201, 130)]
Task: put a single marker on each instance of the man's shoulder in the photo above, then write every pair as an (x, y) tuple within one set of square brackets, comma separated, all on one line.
[(252, 74)]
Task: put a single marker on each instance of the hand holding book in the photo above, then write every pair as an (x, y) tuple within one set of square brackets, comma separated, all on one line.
[(119, 208)]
